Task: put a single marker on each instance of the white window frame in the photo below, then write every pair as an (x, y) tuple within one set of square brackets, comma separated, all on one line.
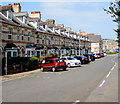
[(24, 20), (18, 35), (12, 51), (22, 36), (10, 33), (41, 50), (36, 24), (31, 50), (29, 36), (9, 14)]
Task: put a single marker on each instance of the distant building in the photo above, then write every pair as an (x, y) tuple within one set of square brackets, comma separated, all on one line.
[(110, 45), (96, 43)]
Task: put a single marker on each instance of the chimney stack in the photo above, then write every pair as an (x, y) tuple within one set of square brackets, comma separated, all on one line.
[(51, 21), (35, 14), (16, 7), (60, 25)]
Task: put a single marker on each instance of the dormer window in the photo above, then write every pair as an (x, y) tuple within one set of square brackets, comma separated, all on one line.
[(36, 24), (24, 20), (44, 26), (9, 15)]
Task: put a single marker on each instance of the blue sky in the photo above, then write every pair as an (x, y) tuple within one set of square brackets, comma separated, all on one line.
[(84, 16)]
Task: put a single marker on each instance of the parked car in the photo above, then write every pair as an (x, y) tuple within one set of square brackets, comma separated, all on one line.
[(102, 54), (71, 61), (97, 56), (105, 54), (83, 59), (53, 64), (91, 57)]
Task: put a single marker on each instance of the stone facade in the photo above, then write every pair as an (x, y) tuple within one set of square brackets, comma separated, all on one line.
[(24, 35), (110, 45)]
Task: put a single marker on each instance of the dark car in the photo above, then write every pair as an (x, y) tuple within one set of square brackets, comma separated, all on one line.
[(102, 54), (83, 59), (90, 56), (53, 64)]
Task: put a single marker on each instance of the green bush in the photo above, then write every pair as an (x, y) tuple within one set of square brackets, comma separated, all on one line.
[(73, 55), (33, 63), (34, 58), (111, 52)]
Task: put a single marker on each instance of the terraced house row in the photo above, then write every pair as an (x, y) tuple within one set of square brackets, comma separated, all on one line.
[(24, 34)]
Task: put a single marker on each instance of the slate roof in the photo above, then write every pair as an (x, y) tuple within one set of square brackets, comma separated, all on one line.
[(20, 13), (95, 38), (5, 8), (15, 21)]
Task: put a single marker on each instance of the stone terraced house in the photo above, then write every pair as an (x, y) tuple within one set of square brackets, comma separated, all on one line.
[(26, 35)]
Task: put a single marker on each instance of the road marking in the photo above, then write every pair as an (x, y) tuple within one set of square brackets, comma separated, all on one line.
[(115, 64), (108, 74), (77, 101), (112, 68), (102, 84)]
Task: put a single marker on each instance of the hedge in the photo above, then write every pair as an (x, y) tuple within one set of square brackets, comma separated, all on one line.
[(20, 64), (111, 52)]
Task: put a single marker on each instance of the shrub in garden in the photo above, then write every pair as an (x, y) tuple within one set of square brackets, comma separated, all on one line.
[(33, 63)]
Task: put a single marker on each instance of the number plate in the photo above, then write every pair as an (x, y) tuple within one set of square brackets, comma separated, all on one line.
[(61, 63)]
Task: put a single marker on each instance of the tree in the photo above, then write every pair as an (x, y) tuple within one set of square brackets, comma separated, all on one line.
[(114, 11)]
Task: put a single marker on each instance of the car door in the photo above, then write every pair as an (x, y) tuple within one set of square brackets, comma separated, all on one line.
[(48, 64)]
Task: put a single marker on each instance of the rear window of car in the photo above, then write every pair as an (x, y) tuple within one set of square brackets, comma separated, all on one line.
[(59, 60)]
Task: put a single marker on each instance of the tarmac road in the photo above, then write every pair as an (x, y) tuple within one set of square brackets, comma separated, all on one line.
[(75, 85)]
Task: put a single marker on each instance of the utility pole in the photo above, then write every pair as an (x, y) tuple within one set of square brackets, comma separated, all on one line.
[(79, 45), (6, 62), (79, 41)]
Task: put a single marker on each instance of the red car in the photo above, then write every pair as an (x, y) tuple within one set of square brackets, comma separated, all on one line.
[(53, 64)]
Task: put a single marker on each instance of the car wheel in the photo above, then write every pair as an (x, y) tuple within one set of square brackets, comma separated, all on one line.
[(53, 69), (42, 69), (64, 69), (69, 65)]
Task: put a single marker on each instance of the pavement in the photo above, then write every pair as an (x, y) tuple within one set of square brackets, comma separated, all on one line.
[(17, 75)]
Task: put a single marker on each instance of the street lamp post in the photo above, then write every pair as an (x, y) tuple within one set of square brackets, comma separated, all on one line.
[(79, 45), (6, 62), (79, 41)]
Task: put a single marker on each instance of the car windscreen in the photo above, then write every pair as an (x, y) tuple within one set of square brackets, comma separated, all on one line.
[(71, 58), (59, 60)]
